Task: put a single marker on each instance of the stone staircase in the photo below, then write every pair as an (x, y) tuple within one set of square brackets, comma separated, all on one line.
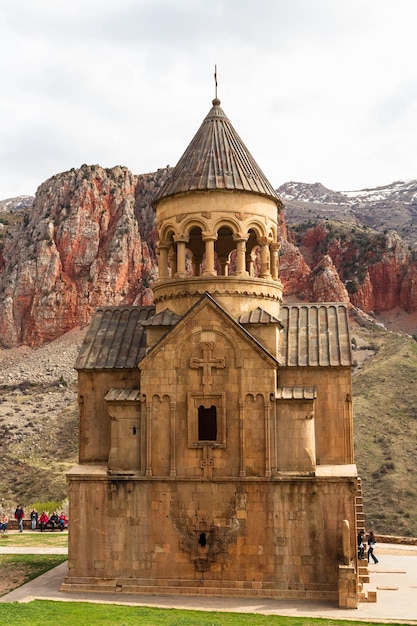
[(363, 573)]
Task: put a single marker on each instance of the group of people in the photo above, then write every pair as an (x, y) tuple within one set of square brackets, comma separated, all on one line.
[(55, 521), (52, 522), (19, 514), (371, 546)]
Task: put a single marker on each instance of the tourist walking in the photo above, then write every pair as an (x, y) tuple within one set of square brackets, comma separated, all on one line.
[(361, 545), (19, 514), (34, 518), (371, 546)]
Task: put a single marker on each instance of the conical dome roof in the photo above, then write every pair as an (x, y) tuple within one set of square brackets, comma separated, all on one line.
[(216, 159)]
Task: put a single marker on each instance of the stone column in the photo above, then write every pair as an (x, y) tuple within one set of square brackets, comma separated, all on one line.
[(172, 258), (148, 439), (180, 240), (224, 265), (162, 252), (241, 240), (242, 471), (348, 429), (173, 470), (209, 239), (267, 441), (265, 258), (274, 248), (250, 260), (196, 265)]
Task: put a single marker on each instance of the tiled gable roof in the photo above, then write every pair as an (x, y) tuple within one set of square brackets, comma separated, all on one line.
[(315, 335), (115, 338)]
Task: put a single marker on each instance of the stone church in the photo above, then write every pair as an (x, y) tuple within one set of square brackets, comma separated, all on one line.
[(216, 437)]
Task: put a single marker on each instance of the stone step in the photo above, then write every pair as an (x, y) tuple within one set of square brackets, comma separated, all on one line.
[(198, 591), (368, 596)]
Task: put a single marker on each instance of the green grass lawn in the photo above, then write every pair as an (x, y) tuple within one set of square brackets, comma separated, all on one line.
[(35, 539), (18, 569), (40, 612), (85, 614)]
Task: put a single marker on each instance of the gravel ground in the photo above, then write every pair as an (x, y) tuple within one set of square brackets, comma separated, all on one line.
[(51, 362)]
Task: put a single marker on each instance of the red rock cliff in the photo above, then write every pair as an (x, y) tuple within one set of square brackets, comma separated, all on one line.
[(78, 248)]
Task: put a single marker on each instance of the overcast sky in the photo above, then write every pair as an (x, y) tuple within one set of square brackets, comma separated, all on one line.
[(319, 90)]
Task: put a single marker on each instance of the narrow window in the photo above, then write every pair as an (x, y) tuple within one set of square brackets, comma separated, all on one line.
[(207, 423), (202, 540)]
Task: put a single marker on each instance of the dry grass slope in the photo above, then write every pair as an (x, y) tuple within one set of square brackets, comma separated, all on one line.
[(385, 415)]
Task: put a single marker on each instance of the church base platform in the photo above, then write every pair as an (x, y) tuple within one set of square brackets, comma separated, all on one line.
[(215, 588)]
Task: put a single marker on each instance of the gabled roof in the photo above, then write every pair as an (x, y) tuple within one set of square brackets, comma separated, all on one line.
[(207, 299), (258, 316), (216, 159), (164, 318), (315, 335), (115, 338)]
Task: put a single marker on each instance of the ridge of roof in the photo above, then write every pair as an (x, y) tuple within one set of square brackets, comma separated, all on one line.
[(216, 159)]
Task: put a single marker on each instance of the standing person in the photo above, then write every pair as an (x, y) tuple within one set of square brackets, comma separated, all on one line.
[(34, 518), (19, 514), (371, 546), (361, 545), (43, 520), (4, 522)]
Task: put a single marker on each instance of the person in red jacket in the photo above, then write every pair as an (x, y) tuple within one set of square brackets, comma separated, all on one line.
[(62, 521), (43, 520)]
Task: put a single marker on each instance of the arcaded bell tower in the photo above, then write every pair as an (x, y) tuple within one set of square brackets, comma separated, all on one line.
[(216, 217)]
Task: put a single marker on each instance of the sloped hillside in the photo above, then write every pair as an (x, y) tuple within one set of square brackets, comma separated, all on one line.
[(385, 417)]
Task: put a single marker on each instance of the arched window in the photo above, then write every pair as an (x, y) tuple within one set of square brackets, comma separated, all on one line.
[(207, 423)]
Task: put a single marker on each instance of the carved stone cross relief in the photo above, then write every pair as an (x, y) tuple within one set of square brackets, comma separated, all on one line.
[(206, 364)]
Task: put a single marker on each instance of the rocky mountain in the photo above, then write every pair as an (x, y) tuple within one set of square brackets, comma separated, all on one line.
[(369, 236), (78, 247), (89, 240), (390, 207), (16, 204)]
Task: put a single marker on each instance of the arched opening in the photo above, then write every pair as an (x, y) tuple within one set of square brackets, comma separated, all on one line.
[(223, 248), (196, 247), (253, 262)]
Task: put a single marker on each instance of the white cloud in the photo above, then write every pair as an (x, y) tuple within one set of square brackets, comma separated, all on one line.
[(319, 91)]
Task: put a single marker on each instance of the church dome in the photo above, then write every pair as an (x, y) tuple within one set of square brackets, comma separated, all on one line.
[(216, 159)]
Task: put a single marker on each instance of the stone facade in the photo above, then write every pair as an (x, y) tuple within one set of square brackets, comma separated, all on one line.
[(216, 443)]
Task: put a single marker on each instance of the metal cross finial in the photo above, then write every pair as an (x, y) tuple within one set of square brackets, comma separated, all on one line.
[(215, 81)]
